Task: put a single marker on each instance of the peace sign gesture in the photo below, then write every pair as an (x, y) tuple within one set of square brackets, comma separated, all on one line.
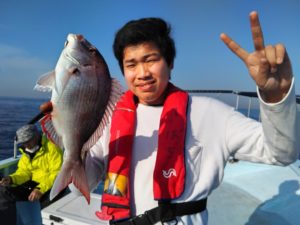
[(269, 66)]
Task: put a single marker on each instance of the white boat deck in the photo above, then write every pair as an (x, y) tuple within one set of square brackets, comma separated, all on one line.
[(73, 209), (257, 194), (251, 194)]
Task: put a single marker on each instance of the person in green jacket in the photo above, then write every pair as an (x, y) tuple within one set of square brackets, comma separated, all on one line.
[(38, 166)]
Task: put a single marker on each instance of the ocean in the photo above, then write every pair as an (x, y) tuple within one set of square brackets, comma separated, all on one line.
[(14, 113)]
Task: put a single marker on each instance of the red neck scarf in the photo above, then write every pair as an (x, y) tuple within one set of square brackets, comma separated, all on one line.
[(169, 172)]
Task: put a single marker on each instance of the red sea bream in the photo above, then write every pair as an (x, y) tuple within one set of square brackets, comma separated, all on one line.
[(83, 97)]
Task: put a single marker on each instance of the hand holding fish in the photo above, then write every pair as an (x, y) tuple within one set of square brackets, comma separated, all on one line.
[(269, 66)]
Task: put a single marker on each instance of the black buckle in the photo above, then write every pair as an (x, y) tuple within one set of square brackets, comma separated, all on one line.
[(123, 222), (131, 221), (172, 221), (142, 219), (148, 217)]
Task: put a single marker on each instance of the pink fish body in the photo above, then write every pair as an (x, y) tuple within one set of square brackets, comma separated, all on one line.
[(83, 97)]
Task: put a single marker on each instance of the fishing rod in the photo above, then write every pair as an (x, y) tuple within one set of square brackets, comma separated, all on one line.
[(44, 109)]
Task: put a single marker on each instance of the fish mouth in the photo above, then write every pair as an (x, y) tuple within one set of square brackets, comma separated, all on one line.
[(76, 61), (79, 51), (72, 59)]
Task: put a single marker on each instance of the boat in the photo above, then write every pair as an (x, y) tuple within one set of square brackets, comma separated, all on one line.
[(250, 193)]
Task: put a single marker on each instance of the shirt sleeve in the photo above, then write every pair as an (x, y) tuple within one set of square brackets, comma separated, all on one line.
[(22, 174), (95, 162), (273, 141), (55, 159)]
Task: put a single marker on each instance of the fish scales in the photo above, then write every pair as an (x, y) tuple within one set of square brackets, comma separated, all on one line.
[(83, 98)]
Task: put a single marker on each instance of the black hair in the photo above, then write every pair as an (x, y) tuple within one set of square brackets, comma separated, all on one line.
[(135, 32)]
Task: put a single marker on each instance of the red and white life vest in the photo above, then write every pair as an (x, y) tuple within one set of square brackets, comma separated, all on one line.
[(170, 156)]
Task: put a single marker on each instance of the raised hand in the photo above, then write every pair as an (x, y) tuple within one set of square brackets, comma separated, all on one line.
[(269, 66)]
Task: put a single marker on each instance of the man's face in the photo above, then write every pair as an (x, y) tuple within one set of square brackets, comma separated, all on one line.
[(30, 144), (146, 72)]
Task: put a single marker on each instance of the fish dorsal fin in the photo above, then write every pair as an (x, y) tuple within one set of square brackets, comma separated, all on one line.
[(116, 92), (49, 130), (45, 82)]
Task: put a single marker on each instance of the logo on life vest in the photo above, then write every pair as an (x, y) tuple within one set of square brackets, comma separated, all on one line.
[(115, 184), (169, 173)]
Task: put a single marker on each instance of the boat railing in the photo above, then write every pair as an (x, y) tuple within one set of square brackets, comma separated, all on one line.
[(8, 166), (237, 105), (249, 94)]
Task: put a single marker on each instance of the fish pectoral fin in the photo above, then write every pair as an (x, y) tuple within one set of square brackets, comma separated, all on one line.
[(46, 82), (50, 131), (116, 92)]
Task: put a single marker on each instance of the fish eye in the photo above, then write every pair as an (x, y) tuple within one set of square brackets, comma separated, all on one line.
[(92, 50), (75, 70), (66, 43)]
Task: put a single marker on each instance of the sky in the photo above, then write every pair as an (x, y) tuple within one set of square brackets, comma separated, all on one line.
[(33, 33)]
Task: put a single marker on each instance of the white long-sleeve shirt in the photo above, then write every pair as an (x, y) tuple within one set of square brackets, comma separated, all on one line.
[(215, 132)]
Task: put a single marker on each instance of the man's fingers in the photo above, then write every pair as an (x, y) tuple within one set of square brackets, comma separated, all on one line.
[(234, 47), (280, 53), (271, 57), (257, 34), (275, 56), (264, 66), (30, 197), (5, 181), (35, 195), (46, 107)]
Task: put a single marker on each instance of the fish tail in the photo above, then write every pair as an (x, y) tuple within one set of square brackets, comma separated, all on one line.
[(71, 173)]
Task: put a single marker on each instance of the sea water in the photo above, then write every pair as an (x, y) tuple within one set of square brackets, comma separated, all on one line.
[(14, 113)]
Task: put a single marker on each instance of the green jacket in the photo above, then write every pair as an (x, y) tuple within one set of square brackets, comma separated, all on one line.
[(42, 169)]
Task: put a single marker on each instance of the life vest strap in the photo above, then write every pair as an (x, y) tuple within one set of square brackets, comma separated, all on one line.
[(165, 212)]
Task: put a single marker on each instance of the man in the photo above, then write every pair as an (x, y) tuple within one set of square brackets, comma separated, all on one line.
[(37, 169), (166, 151)]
